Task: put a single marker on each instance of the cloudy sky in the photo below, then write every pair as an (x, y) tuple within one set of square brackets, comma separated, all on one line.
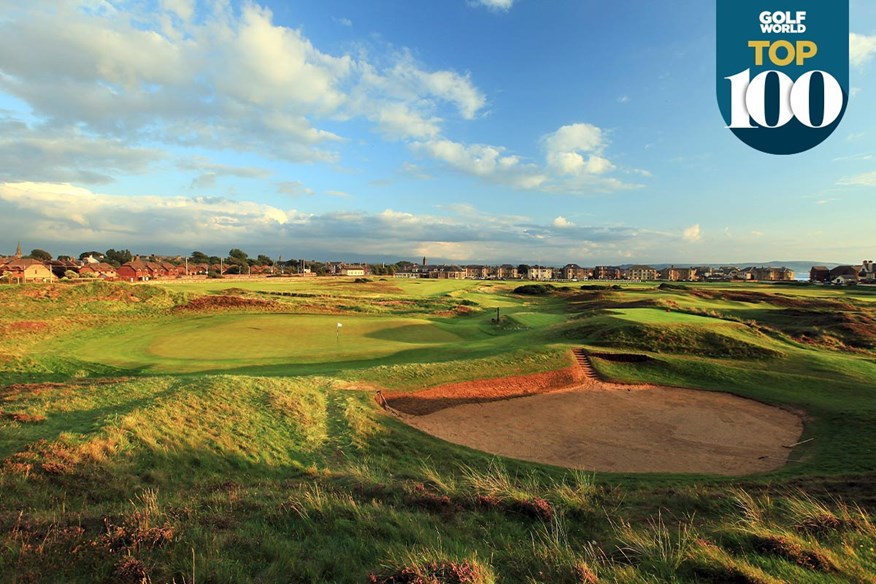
[(468, 130)]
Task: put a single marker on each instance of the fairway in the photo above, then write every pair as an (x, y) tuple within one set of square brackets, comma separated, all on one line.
[(233, 340)]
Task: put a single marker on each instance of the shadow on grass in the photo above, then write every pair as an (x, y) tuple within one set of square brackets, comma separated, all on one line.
[(82, 422)]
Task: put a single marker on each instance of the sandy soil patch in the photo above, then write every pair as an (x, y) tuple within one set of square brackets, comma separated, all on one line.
[(616, 428), (483, 390)]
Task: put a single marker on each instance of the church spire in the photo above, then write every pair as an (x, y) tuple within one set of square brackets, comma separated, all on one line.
[(18, 251)]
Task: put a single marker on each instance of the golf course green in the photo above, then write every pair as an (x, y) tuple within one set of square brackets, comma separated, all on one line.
[(235, 340)]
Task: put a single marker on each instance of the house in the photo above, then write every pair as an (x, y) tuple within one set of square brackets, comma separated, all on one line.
[(169, 270), (352, 270), (507, 272), (726, 274), (845, 280), (641, 273), (22, 270), (477, 272), (704, 272), (674, 274), (61, 267), (607, 273), (100, 270), (451, 273), (845, 275), (764, 274), (139, 271), (573, 272), (540, 273), (198, 269), (868, 271)]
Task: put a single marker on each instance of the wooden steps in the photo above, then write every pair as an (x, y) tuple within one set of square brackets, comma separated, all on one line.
[(584, 363)]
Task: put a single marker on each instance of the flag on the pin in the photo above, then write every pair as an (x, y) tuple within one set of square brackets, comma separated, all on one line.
[(340, 325)]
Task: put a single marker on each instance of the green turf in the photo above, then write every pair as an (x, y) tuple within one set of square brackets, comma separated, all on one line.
[(206, 342), (142, 461)]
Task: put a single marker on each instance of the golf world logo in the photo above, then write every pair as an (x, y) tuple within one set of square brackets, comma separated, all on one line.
[(783, 71)]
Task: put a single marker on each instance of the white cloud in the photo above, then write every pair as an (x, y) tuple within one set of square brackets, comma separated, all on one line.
[(503, 5), (407, 81), (575, 149), (398, 121), (693, 233), (867, 179), (183, 9), (861, 49), (293, 188), (75, 214), (575, 137), (61, 215), (202, 75), (574, 162), (562, 223), (67, 154), (485, 161), (205, 165)]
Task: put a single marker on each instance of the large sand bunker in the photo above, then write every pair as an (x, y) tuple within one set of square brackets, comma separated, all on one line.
[(617, 428)]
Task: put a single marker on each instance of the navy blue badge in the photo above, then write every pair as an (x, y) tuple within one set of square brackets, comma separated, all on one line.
[(783, 71)]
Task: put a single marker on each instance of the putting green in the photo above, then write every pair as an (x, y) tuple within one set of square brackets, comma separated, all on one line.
[(250, 340)]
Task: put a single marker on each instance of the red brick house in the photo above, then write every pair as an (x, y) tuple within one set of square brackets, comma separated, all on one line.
[(100, 270), (139, 271), (26, 270)]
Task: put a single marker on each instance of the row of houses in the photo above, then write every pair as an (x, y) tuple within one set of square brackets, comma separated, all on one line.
[(21, 269), (864, 273), (138, 270), (574, 272)]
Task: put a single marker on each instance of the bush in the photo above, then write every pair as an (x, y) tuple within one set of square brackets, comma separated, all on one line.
[(535, 289)]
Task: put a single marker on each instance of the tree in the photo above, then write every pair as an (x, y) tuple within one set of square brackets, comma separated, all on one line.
[(95, 254), (118, 258), (41, 255), (522, 269), (264, 260), (65, 258), (200, 257), (238, 254)]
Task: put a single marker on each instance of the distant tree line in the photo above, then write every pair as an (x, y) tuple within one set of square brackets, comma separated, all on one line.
[(236, 262)]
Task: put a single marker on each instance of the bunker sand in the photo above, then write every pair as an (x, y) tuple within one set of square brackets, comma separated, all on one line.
[(610, 427)]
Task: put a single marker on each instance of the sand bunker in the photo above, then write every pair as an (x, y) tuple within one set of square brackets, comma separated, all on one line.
[(616, 428)]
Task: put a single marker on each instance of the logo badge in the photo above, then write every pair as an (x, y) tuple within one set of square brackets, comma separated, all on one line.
[(783, 71)]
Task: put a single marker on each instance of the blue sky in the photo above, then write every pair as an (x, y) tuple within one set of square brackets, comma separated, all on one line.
[(464, 130)]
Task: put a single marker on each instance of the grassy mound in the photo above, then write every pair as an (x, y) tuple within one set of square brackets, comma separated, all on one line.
[(851, 327), (719, 342)]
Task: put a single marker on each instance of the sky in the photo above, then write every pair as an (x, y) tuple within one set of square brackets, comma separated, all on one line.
[(476, 131)]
